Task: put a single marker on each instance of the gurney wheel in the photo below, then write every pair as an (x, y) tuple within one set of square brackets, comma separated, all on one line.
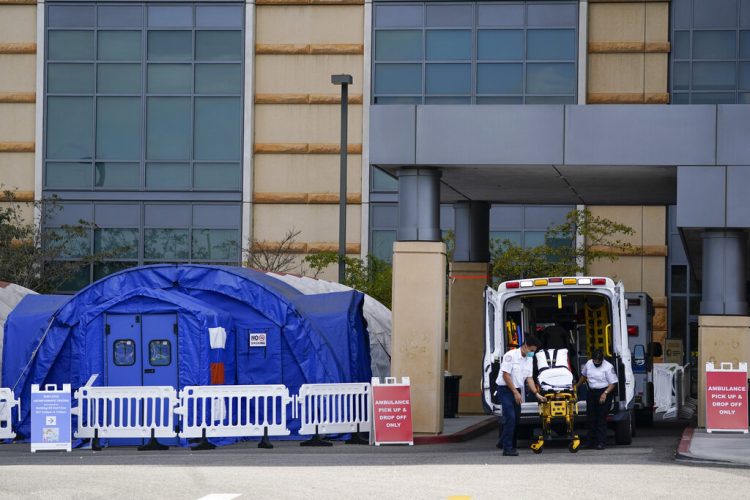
[(574, 446), (538, 446)]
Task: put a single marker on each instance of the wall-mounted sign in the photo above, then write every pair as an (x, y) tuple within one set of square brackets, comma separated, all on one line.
[(257, 339)]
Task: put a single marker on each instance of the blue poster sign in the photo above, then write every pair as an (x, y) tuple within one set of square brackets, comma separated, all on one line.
[(50, 418)]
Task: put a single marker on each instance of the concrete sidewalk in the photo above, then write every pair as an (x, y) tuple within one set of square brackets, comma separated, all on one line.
[(459, 429), (716, 448)]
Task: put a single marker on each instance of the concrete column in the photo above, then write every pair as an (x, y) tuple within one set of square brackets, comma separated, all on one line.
[(721, 339), (472, 231), (419, 328), (468, 276), (724, 254), (466, 283), (418, 204)]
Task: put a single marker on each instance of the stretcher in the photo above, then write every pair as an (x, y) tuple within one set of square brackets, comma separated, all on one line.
[(561, 407)]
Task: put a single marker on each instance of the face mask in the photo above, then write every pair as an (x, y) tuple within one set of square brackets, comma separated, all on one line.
[(529, 354), (597, 365)]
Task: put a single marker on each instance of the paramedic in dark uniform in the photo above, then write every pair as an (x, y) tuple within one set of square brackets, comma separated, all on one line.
[(516, 367), (601, 378)]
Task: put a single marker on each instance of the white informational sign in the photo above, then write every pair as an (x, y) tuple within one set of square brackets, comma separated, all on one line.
[(257, 340), (50, 418)]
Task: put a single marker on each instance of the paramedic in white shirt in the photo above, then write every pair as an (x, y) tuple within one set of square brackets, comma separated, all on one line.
[(516, 367), (601, 378)]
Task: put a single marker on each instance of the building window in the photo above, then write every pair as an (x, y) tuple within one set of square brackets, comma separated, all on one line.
[(524, 225), (144, 97), (170, 232), (483, 53), (383, 224), (710, 52), (143, 131)]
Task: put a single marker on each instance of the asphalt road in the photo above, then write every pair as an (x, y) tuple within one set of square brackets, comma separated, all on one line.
[(474, 469)]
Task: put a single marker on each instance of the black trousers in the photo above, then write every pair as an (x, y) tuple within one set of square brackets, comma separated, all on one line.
[(596, 413)]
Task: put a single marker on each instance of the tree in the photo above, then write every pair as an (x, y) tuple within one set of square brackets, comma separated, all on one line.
[(560, 255), (371, 275), (43, 260), (273, 257)]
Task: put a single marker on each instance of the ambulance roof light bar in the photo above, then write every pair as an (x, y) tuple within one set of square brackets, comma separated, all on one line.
[(553, 281)]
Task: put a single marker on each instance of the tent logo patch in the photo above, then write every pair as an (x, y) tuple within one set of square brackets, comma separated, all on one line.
[(257, 340)]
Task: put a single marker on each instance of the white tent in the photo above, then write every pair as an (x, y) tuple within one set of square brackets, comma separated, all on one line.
[(378, 318), (10, 296)]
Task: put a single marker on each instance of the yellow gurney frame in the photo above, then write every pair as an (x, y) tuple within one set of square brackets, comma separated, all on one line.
[(559, 406)]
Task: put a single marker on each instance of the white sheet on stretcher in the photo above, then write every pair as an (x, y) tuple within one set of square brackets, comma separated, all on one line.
[(557, 376)]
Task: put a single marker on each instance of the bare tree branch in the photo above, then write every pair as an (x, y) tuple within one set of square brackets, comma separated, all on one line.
[(276, 257)]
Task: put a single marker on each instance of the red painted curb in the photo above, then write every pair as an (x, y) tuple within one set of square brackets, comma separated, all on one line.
[(685, 440), (463, 435)]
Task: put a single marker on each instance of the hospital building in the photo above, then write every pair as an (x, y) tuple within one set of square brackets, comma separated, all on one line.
[(189, 130)]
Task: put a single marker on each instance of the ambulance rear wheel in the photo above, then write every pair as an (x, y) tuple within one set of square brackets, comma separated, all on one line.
[(624, 430)]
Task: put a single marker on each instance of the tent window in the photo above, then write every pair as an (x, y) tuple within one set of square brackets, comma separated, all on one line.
[(124, 352), (159, 352)]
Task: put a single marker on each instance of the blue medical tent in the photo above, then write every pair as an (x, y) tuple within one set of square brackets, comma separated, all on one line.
[(185, 325)]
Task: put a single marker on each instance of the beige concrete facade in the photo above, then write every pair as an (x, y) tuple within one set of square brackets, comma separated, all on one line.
[(467, 281), (646, 271), (628, 46), (419, 328), (721, 339), (298, 46), (17, 97)]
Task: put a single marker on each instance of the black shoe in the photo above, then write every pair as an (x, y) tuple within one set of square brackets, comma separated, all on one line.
[(510, 453), (600, 446)]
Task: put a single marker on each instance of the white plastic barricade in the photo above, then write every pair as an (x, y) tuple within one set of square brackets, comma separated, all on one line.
[(669, 393), (7, 403), (234, 411), (334, 409), (126, 412)]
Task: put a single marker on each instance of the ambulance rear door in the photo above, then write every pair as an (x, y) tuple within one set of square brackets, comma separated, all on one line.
[(622, 349), (493, 342)]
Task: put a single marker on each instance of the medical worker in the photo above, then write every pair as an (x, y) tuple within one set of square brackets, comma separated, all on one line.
[(516, 367), (601, 378)]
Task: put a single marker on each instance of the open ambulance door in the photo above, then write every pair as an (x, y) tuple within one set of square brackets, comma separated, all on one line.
[(622, 350), (492, 342)]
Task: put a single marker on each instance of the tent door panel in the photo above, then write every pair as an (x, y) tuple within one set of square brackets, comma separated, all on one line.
[(141, 350), (159, 349), (124, 364), (259, 355), (123, 337)]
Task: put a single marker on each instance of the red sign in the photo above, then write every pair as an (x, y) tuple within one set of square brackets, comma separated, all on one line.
[(391, 413), (726, 400)]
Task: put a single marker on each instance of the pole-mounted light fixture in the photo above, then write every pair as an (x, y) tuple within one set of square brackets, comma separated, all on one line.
[(344, 81)]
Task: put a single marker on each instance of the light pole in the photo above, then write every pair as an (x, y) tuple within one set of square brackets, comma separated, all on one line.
[(344, 81)]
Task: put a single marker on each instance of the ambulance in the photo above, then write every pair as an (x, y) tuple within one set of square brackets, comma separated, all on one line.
[(581, 314)]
